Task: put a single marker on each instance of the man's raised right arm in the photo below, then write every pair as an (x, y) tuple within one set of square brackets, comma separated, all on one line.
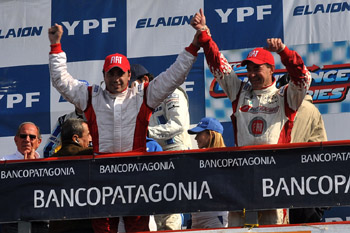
[(65, 84), (216, 61)]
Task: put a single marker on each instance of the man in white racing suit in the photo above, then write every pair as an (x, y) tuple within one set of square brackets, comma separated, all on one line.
[(117, 115), (262, 113)]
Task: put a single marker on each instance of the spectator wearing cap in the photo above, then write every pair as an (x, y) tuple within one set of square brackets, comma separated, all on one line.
[(117, 115), (168, 125), (139, 75), (262, 113), (209, 135)]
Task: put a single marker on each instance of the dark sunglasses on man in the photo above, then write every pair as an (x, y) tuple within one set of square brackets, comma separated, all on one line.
[(24, 136)]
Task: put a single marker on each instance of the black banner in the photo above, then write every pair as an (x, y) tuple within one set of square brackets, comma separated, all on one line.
[(199, 180)]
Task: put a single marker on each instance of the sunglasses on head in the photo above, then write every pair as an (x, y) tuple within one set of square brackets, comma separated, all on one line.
[(31, 136)]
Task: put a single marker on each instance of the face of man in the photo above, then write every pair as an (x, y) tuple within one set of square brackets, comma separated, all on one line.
[(260, 76), (85, 139), (27, 139), (116, 80)]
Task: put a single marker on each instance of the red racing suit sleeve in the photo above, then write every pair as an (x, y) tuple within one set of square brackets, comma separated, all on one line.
[(300, 77), (219, 66)]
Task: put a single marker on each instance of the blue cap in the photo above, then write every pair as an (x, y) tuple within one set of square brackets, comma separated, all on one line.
[(207, 123)]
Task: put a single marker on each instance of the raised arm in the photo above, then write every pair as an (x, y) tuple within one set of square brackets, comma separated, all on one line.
[(217, 63), (65, 84), (300, 76)]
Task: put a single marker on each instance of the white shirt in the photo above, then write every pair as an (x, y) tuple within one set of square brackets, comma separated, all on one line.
[(17, 156)]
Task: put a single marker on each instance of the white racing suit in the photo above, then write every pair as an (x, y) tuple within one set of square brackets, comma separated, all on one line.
[(260, 116), (170, 121), (118, 122)]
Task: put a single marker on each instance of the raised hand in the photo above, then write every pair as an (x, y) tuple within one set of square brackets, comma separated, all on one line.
[(198, 21), (274, 45), (55, 34)]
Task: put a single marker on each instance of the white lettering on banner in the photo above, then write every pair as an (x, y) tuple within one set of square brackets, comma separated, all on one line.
[(137, 167), (90, 24), (38, 172), (21, 32), (163, 21), (237, 162), (322, 8), (224, 15), (331, 76), (188, 86), (127, 194), (325, 157), (324, 185), (13, 99), (329, 94), (30, 99), (243, 12)]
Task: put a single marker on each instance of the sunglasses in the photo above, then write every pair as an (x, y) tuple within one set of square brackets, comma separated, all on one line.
[(24, 136)]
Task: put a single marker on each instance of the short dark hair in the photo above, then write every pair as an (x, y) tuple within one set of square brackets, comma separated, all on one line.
[(70, 127), (149, 75), (28, 122)]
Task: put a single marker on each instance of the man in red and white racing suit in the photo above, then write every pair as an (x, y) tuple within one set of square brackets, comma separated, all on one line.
[(118, 115), (262, 114)]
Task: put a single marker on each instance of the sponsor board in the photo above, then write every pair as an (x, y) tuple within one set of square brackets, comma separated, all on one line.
[(171, 182), (244, 24), (23, 98), (94, 30)]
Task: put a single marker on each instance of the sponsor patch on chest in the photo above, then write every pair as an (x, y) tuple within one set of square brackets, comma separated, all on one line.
[(257, 126)]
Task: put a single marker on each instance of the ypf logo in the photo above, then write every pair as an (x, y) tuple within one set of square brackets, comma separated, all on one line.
[(257, 126)]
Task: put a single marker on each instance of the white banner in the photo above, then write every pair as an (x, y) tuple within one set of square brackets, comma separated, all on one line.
[(308, 21), (23, 32), (166, 22)]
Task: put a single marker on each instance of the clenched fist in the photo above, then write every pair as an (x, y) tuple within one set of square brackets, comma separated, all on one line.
[(55, 34)]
